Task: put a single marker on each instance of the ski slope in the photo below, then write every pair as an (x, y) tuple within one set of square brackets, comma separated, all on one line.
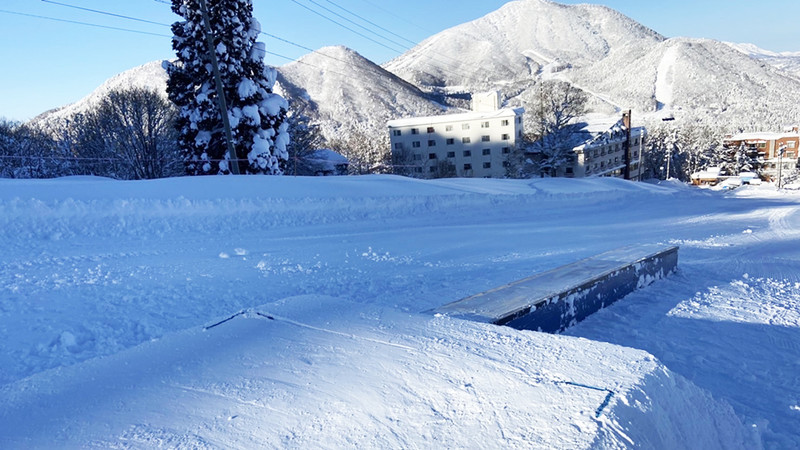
[(107, 289)]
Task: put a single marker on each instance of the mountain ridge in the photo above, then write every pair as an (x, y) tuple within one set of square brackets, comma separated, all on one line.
[(621, 63)]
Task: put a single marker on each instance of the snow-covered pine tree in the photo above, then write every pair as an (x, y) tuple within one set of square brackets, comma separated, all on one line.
[(257, 115)]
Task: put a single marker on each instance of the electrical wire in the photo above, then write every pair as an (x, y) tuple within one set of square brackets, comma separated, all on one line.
[(36, 16), (345, 26)]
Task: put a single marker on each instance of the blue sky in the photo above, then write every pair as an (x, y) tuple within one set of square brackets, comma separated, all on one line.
[(46, 63)]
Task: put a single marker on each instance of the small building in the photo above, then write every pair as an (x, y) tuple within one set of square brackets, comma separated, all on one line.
[(326, 162), (708, 177), (474, 144)]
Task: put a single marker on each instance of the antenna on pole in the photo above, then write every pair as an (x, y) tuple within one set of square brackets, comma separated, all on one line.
[(223, 105)]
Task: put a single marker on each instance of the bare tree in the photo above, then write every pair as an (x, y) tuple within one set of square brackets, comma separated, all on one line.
[(553, 108), (130, 136), (27, 152)]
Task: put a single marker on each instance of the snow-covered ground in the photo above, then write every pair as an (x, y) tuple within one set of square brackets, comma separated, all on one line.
[(106, 287)]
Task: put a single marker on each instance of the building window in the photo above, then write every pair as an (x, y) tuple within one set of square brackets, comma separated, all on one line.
[(451, 154), (569, 171), (415, 131), (417, 157), (506, 164), (465, 126), (431, 155), (487, 152), (762, 145), (432, 169), (415, 144), (484, 124), (485, 139), (519, 119), (430, 130), (467, 153), (504, 122), (506, 150), (398, 145), (791, 144), (431, 143), (396, 133), (520, 134), (487, 165), (506, 137), (448, 128), (465, 140), (451, 141), (467, 166), (418, 169)]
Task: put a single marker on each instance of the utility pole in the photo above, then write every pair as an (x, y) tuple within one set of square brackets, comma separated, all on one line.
[(223, 105)]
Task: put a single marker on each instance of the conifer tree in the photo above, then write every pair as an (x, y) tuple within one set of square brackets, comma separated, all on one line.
[(257, 115)]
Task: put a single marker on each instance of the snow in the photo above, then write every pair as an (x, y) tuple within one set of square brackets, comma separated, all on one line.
[(665, 78), (115, 298)]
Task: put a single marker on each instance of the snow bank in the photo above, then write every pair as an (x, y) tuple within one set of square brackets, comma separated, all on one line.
[(306, 371)]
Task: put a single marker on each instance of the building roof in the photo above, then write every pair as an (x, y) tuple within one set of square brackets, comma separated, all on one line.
[(460, 117), (761, 136)]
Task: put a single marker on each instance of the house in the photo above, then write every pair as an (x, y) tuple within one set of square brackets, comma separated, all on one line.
[(708, 177), (606, 149), (474, 144), (323, 162)]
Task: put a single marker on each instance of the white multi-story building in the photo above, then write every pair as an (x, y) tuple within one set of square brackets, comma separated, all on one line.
[(474, 144)]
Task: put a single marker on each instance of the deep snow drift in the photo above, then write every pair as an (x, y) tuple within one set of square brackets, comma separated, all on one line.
[(105, 287)]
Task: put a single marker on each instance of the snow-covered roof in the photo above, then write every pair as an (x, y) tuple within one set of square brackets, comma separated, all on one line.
[(761, 136), (330, 156), (711, 172), (461, 117), (599, 130)]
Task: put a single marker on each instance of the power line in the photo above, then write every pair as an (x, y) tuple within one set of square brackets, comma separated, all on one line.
[(358, 25), (448, 66), (371, 22), (16, 13), (381, 73), (345, 26), (105, 13)]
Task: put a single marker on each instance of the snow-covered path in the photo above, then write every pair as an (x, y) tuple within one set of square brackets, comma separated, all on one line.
[(95, 267)]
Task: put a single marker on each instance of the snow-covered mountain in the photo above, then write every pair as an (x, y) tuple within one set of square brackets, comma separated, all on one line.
[(786, 61), (619, 62), (148, 76), (519, 41), (344, 92), (610, 56)]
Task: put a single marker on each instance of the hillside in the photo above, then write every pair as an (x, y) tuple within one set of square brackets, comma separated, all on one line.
[(148, 76), (785, 61), (518, 42), (346, 93)]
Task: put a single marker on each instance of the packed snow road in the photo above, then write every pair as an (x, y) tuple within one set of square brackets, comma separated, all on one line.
[(92, 267)]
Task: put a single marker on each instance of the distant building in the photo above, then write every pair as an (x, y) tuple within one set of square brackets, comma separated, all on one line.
[(606, 149), (768, 146), (473, 145), (324, 162)]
